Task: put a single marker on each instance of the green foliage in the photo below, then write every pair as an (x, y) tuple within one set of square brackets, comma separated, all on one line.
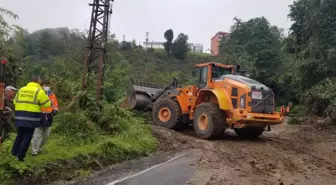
[(299, 68), (169, 36), (295, 120), (180, 46), (83, 130), (117, 79), (256, 45), (125, 46), (5, 28), (6, 31), (69, 155), (312, 42), (320, 97), (75, 126), (80, 138), (331, 111), (297, 111)]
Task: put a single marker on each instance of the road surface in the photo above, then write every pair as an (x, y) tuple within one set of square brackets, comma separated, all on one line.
[(288, 155), (168, 168)]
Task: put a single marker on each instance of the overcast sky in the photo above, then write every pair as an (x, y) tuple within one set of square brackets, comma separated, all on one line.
[(199, 19)]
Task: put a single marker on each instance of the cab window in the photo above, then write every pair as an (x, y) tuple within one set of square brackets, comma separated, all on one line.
[(217, 72), (203, 77)]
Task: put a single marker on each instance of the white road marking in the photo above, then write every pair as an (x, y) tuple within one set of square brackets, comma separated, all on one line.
[(144, 171)]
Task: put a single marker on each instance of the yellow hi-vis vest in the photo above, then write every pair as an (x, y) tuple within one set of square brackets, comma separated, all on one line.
[(28, 102)]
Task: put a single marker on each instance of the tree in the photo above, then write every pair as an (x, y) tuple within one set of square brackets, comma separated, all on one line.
[(13, 71), (313, 42), (45, 44), (5, 28), (134, 44), (124, 46), (169, 36), (314, 39), (256, 45), (180, 46)]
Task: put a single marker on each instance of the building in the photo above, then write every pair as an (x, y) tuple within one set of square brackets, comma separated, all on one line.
[(215, 40), (155, 45), (198, 48)]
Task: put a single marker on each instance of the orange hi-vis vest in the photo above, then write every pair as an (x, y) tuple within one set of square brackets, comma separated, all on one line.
[(54, 104), (283, 110)]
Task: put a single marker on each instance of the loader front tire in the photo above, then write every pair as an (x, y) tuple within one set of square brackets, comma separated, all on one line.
[(209, 121), (166, 113)]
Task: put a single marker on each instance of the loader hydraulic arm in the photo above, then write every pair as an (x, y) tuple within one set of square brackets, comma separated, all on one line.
[(172, 85)]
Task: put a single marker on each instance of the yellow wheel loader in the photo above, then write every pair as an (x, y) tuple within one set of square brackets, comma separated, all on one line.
[(223, 98)]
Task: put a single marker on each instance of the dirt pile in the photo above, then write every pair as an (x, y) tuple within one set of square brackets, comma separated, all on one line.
[(290, 154)]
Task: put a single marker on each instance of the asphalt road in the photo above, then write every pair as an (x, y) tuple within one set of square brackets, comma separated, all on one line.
[(176, 171), (164, 169)]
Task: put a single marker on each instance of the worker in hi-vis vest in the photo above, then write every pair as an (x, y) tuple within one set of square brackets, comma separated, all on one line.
[(42, 133), (28, 101)]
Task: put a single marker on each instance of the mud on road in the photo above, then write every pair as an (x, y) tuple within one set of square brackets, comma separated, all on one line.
[(289, 154)]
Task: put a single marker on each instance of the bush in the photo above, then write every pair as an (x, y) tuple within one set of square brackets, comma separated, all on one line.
[(111, 118), (79, 144), (297, 111), (76, 126), (331, 111), (319, 99)]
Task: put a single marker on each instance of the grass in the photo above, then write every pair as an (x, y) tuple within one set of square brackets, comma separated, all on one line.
[(67, 157), (298, 111)]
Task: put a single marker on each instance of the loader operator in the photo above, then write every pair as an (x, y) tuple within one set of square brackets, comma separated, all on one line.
[(28, 103)]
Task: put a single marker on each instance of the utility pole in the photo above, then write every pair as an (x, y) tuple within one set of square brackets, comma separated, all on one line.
[(95, 58), (147, 37)]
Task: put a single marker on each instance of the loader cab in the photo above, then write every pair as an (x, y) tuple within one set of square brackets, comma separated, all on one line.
[(207, 73)]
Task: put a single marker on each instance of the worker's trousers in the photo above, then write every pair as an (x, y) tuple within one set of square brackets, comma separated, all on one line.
[(22, 142), (41, 135)]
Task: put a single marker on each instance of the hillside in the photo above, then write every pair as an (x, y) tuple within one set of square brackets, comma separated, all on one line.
[(87, 136)]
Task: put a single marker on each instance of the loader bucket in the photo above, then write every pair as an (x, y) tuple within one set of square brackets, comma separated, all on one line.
[(139, 95)]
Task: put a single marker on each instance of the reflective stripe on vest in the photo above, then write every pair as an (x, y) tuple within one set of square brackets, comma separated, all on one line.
[(28, 116), (34, 102)]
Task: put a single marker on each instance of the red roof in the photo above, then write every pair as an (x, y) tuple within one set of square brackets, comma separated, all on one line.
[(220, 33)]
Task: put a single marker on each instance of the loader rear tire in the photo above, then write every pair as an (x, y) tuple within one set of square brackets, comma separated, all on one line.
[(209, 121), (167, 113), (249, 132)]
